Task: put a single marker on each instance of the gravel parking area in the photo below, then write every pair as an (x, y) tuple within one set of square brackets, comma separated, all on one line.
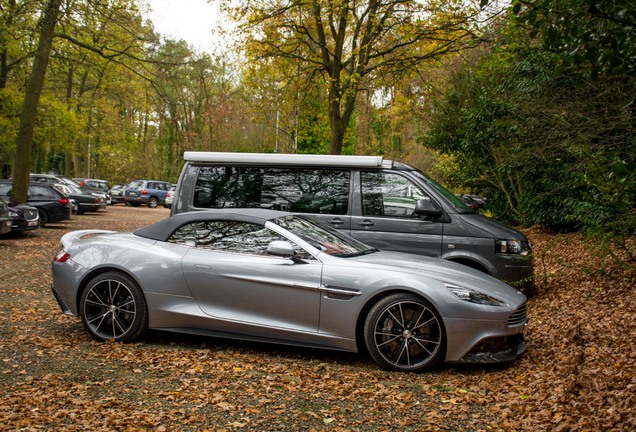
[(577, 373)]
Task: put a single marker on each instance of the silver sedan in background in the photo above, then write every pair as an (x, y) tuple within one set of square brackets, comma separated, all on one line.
[(271, 276)]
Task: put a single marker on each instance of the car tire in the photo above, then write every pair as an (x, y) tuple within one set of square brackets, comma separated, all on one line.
[(403, 332), (44, 218), (153, 202), (113, 307)]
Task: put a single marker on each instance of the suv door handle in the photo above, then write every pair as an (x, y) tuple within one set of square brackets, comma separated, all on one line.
[(336, 221), (366, 223)]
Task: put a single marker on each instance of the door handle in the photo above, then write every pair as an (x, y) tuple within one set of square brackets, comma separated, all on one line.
[(202, 266), (366, 223), (336, 221)]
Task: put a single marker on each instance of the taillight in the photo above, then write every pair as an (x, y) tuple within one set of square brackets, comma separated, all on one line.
[(62, 256), (81, 183), (144, 192), (63, 201)]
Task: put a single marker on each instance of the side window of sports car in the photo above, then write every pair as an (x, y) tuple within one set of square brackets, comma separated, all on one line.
[(230, 236), (186, 235)]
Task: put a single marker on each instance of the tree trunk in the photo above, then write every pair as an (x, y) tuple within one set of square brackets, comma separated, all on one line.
[(24, 142), (339, 118)]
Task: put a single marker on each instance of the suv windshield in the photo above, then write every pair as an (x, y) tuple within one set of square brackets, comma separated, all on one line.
[(455, 201), (326, 240)]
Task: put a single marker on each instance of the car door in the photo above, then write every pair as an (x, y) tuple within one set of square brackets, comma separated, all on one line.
[(233, 279), (384, 216)]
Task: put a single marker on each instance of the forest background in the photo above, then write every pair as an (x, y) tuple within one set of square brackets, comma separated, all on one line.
[(530, 103)]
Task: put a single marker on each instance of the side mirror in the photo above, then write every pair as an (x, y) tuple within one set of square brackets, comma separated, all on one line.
[(281, 248), (426, 207)]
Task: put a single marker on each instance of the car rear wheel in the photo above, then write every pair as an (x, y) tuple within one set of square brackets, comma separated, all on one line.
[(405, 333), (113, 307), (153, 202)]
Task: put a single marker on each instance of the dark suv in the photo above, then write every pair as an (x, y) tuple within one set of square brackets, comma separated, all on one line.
[(149, 192), (53, 206)]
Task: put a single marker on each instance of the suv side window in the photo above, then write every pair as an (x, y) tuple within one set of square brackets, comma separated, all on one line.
[(389, 194), (306, 190), (303, 190)]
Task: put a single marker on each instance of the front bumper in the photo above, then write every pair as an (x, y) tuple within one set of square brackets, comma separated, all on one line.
[(5, 226), (474, 341), (510, 348)]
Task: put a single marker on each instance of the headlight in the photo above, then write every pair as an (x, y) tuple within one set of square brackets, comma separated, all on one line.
[(473, 296), (515, 247), (13, 214)]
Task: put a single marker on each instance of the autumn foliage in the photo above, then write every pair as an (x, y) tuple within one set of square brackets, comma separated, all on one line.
[(577, 374)]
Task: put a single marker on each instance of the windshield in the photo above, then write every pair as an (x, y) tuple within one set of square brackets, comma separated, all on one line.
[(453, 200), (74, 189), (322, 238)]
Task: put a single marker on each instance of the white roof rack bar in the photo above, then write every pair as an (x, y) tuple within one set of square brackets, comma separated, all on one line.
[(284, 159)]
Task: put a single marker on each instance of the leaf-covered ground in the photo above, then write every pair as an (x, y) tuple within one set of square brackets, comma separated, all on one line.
[(578, 374)]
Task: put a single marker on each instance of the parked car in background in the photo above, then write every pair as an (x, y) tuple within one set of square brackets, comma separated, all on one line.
[(53, 179), (149, 192), (117, 193), (23, 217), (5, 219), (86, 201), (96, 187), (271, 276), (93, 184), (475, 202), (52, 205), (170, 196)]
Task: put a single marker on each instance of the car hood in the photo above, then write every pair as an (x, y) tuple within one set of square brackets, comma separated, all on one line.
[(487, 226), (443, 271)]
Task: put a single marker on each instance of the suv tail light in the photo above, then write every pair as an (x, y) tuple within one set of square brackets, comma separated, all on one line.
[(144, 192)]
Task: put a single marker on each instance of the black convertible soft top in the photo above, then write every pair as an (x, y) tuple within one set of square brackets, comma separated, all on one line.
[(163, 229)]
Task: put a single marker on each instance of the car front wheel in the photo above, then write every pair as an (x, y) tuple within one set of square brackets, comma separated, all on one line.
[(405, 333), (113, 307)]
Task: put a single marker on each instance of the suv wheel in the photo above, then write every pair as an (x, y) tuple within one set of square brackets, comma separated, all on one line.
[(153, 202)]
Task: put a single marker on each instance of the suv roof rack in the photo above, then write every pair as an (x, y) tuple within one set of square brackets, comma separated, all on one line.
[(284, 159)]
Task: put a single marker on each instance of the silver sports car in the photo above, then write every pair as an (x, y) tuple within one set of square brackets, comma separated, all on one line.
[(272, 276)]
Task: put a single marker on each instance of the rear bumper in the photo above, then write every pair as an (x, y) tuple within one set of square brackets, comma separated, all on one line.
[(65, 309)]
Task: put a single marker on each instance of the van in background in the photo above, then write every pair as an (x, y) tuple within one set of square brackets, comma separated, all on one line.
[(383, 203)]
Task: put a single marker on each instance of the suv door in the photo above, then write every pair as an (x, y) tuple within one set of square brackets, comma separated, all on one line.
[(384, 216)]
